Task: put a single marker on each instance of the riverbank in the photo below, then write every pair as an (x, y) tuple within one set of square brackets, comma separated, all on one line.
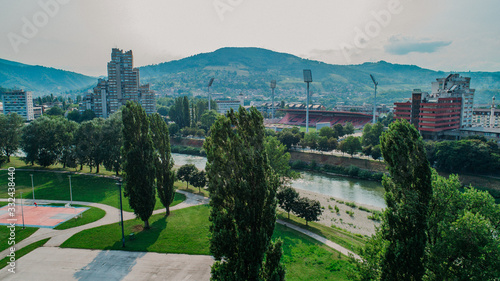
[(352, 218)]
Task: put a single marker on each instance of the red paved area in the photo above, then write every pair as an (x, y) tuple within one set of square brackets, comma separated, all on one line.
[(41, 216)]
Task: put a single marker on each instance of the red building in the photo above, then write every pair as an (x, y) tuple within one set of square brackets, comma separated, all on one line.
[(440, 111)]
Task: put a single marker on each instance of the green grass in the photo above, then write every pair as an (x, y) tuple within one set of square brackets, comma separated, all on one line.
[(23, 251), (21, 234), (184, 231), (307, 259), (182, 186), (91, 215), (17, 163), (311, 129), (342, 237), (55, 186)]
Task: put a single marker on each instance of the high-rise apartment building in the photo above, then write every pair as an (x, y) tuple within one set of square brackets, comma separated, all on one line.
[(122, 86), (448, 107), (20, 102)]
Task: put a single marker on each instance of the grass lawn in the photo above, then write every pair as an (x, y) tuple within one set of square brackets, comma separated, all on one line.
[(182, 186), (21, 234), (91, 215), (311, 129), (307, 259), (24, 251), (342, 237), (17, 163), (186, 231), (55, 186)]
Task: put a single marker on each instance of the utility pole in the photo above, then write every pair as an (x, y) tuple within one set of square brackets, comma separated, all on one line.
[(374, 99)]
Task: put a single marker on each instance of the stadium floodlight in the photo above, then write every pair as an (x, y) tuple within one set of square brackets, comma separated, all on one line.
[(307, 76), (308, 79), (208, 87), (374, 98), (273, 86)]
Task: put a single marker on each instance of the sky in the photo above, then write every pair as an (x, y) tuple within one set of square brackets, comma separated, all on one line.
[(78, 35)]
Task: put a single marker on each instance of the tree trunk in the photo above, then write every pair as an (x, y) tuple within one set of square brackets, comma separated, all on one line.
[(168, 212), (117, 174), (146, 224), (81, 167), (187, 185), (97, 169), (288, 215), (8, 157), (306, 222), (90, 169)]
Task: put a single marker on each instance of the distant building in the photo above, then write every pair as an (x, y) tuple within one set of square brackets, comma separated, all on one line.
[(487, 118), (37, 112), (1, 108), (20, 102), (224, 106), (122, 86), (448, 107)]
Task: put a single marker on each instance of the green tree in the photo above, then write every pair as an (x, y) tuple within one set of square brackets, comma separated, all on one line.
[(287, 199), (198, 179), (279, 159), (288, 138), (90, 143), (10, 134), (74, 115), (408, 193), (186, 172), (207, 119), (310, 140), (242, 188), (376, 153), (327, 132), (309, 210), (87, 115), (350, 145), (112, 133), (348, 128), (139, 159), (165, 175), (54, 111), (338, 131)]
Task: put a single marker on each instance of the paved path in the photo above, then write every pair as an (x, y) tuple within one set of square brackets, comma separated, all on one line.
[(54, 264)]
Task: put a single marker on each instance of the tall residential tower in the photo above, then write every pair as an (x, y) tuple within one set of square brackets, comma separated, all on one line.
[(122, 86)]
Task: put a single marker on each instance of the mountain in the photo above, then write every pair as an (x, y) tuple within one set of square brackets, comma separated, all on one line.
[(249, 70), (41, 80)]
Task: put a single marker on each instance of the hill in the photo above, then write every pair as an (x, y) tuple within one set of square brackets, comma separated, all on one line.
[(249, 70), (41, 80)]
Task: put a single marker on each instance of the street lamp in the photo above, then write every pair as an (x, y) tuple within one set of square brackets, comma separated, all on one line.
[(208, 87), (308, 79), (32, 187), (119, 183), (70, 191), (374, 98), (273, 86)]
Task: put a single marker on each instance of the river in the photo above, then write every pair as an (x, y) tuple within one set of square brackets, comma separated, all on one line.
[(349, 189)]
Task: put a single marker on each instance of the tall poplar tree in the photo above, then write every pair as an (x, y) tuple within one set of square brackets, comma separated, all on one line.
[(408, 193), (165, 176), (242, 188), (139, 162)]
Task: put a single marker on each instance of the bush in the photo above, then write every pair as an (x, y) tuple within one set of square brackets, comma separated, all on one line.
[(300, 165), (351, 204), (337, 210)]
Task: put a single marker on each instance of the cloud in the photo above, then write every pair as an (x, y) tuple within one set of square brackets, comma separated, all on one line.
[(400, 45)]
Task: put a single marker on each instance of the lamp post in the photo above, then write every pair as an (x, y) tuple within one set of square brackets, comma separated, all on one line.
[(208, 87), (374, 98), (119, 183), (70, 191), (32, 187), (273, 86), (308, 79), (22, 209)]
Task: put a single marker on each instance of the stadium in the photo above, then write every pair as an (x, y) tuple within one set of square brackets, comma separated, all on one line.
[(297, 117)]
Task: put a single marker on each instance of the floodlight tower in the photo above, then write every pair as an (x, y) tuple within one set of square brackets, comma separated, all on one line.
[(308, 79), (208, 87), (374, 98), (273, 86)]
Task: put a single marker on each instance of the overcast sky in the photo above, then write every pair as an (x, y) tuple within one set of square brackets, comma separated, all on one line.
[(77, 35)]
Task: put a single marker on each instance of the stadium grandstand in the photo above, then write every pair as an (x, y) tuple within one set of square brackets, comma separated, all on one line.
[(297, 117)]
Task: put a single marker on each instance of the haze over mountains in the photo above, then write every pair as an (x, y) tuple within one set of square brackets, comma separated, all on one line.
[(249, 70)]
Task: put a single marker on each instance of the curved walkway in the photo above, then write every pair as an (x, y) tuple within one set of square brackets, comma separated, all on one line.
[(57, 237), (113, 216)]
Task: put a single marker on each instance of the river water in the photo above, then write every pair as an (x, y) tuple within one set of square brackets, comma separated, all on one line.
[(349, 189)]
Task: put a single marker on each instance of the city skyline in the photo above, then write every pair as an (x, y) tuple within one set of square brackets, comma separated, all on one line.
[(448, 35)]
